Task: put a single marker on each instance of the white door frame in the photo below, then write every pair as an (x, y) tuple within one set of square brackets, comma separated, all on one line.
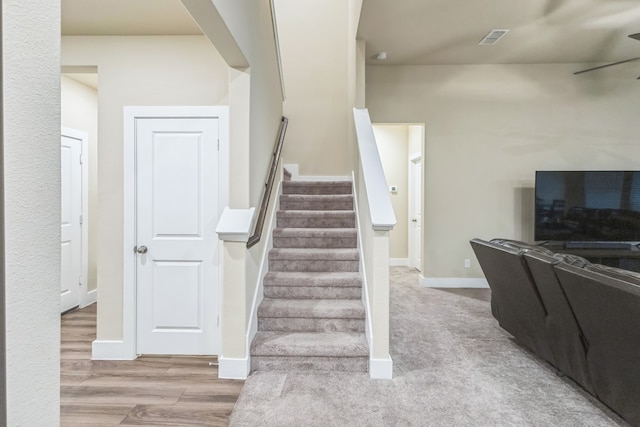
[(413, 159), (131, 114), (85, 298)]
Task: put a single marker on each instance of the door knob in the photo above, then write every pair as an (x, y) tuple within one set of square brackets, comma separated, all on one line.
[(414, 220), (141, 249)]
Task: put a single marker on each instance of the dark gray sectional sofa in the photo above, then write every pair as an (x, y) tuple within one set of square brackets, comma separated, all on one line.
[(582, 318)]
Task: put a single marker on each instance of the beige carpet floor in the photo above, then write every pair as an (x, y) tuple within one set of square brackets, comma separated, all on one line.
[(453, 366)]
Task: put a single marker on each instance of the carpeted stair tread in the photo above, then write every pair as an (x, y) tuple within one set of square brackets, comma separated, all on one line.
[(310, 344), (312, 317), (316, 218), (338, 213), (312, 308), (313, 279), (314, 232), (325, 285), (316, 187), (316, 202), (314, 254), (315, 238)]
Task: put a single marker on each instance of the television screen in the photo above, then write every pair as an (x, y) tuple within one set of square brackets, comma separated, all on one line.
[(577, 206)]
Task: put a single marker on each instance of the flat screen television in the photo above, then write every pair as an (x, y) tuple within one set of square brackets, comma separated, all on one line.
[(587, 206)]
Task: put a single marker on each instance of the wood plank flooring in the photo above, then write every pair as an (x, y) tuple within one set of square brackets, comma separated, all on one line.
[(148, 391)]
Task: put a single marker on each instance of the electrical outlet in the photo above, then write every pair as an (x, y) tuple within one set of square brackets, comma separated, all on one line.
[(467, 263)]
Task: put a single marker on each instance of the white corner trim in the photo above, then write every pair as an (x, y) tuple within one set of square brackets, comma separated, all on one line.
[(399, 262), (453, 282), (91, 298), (111, 350), (235, 224), (293, 170), (233, 369), (381, 368)]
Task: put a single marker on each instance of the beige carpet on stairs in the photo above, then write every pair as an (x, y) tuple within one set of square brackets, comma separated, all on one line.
[(312, 317)]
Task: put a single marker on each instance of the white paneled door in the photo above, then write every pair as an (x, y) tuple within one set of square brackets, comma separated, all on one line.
[(176, 245), (70, 225)]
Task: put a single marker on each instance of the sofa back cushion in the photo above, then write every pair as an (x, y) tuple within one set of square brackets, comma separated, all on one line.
[(515, 301), (608, 312), (630, 277)]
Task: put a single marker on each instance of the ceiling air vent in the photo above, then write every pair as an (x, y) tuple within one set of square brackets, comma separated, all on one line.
[(493, 37)]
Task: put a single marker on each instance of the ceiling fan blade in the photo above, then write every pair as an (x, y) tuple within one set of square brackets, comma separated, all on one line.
[(607, 65), (635, 36)]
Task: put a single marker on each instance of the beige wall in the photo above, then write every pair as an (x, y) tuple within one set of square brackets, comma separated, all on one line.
[(79, 110), (31, 264), (316, 66), (180, 70), (488, 129), (393, 142)]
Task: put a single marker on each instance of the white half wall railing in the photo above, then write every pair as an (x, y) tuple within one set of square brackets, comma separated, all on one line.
[(375, 221)]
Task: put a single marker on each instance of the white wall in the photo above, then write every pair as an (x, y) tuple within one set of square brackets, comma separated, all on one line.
[(79, 110), (488, 129), (144, 70), (31, 105), (393, 143)]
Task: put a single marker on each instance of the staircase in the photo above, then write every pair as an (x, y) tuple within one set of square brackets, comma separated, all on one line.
[(312, 316)]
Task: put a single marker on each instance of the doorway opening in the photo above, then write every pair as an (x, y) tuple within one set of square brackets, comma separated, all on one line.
[(401, 147), (79, 137)]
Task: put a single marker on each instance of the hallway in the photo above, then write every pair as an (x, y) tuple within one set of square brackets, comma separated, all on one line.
[(151, 390)]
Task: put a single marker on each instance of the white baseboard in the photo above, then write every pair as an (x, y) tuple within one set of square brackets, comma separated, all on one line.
[(381, 368), (90, 298), (295, 176), (111, 350), (234, 369), (453, 282), (398, 262)]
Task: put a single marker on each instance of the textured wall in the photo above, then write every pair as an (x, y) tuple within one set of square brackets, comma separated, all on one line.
[(31, 89)]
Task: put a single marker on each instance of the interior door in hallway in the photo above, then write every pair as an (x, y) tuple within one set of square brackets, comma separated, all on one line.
[(70, 225), (415, 209), (176, 244)]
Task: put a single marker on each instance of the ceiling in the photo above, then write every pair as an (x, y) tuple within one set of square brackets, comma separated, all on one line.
[(430, 32), (436, 32), (126, 17)]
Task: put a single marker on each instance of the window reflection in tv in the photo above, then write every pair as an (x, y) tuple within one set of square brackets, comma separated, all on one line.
[(587, 206)]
